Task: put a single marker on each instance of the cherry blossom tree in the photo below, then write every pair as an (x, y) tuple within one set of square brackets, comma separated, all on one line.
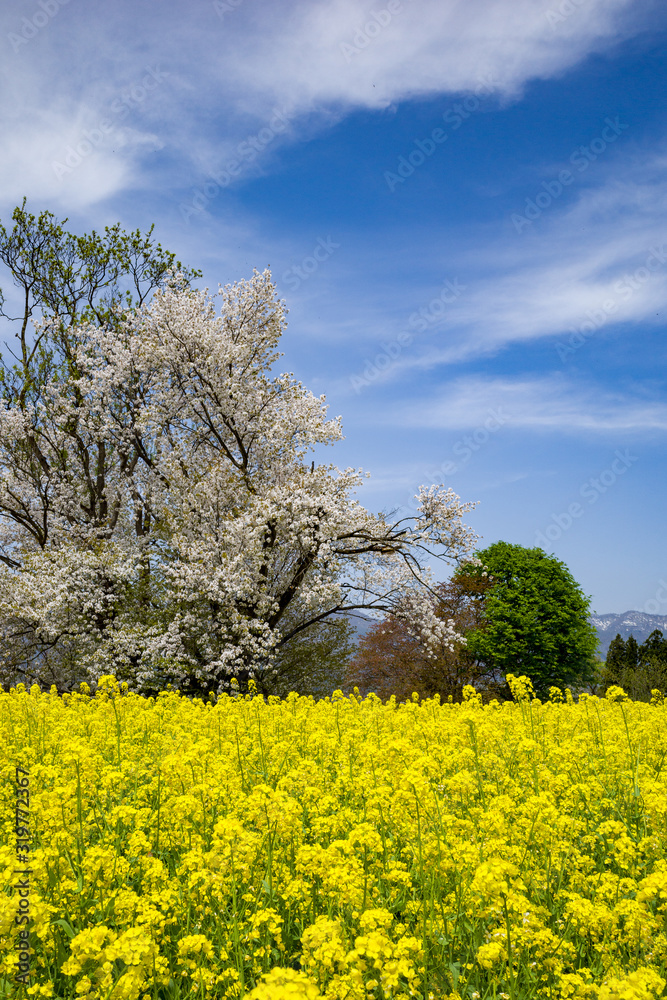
[(161, 516)]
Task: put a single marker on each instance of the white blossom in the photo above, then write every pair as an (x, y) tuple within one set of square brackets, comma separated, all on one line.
[(159, 511)]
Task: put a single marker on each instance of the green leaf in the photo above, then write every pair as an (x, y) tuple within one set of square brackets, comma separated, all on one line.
[(66, 926)]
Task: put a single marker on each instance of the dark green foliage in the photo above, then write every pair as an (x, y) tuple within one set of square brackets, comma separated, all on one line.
[(616, 660), (655, 647), (313, 662), (639, 670), (632, 653), (535, 619)]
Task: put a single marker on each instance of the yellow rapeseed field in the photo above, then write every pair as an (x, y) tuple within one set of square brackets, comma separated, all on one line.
[(338, 849)]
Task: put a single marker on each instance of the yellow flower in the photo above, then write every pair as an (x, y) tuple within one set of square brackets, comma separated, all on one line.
[(285, 984), (642, 984), (491, 954), (337, 848), (323, 946)]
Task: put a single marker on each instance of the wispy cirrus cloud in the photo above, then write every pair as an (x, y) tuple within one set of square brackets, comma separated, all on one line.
[(597, 262), (549, 403)]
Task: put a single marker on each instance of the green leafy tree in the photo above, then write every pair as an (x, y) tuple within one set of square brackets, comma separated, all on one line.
[(314, 661), (535, 619), (654, 648), (78, 279), (632, 653), (615, 661)]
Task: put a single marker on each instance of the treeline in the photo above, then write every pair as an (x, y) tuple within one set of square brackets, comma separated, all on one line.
[(517, 610), (638, 669)]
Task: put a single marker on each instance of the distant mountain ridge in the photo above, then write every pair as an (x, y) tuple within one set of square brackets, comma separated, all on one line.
[(636, 623)]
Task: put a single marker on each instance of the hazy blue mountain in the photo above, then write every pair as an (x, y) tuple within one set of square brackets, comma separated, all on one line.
[(636, 623)]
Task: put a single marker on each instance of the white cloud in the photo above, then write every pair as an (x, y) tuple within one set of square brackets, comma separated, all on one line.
[(540, 404), (64, 145), (600, 262), (54, 161), (361, 54), (236, 70)]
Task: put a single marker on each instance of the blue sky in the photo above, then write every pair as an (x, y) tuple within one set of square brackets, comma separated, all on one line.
[(463, 204)]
